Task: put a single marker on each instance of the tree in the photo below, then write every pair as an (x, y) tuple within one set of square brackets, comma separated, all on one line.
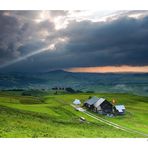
[(70, 90)]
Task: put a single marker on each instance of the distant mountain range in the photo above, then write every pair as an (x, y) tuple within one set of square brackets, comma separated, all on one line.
[(99, 82)]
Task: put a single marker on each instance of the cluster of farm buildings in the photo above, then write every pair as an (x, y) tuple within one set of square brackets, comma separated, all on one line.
[(102, 106)]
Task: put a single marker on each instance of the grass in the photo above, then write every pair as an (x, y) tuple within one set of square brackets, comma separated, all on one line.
[(56, 118)]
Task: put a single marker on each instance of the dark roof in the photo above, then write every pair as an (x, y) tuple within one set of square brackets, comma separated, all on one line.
[(92, 100)]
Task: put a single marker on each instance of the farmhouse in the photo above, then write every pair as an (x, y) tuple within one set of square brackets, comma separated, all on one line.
[(99, 105), (119, 109)]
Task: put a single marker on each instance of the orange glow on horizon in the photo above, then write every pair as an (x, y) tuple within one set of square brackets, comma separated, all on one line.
[(110, 69)]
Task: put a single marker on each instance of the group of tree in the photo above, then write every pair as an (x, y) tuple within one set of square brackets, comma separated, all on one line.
[(71, 90), (58, 88)]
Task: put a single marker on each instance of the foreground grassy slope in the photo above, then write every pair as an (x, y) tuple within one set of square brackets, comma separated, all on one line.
[(56, 118)]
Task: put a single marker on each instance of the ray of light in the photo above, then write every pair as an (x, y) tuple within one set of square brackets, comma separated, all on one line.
[(27, 56), (51, 47)]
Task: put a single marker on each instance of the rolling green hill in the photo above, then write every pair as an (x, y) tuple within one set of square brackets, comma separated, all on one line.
[(54, 117)]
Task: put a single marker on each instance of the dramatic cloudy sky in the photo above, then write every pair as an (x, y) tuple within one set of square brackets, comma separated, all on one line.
[(73, 40)]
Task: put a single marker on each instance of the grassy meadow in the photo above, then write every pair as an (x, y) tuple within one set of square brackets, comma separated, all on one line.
[(50, 115)]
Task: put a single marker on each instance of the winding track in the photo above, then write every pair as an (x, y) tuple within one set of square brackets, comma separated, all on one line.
[(111, 123)]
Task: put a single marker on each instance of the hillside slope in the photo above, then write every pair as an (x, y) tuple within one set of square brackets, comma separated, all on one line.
[(56, 118)]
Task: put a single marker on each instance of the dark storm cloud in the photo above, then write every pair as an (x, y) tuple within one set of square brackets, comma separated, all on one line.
[(19, 30), (120, 41), (8, 35)]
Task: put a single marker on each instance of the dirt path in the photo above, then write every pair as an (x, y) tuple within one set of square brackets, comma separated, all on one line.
[(111, 123)]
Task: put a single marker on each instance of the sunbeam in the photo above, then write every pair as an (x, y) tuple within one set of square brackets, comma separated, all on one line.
[(27, 56)]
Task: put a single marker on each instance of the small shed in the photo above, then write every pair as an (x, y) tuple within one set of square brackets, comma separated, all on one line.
[(77, 102), (119, 109)]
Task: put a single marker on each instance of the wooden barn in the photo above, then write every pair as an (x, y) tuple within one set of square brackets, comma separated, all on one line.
[(99, 105)]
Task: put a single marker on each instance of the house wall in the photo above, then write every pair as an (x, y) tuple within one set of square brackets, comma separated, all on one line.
[(98, 108)]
